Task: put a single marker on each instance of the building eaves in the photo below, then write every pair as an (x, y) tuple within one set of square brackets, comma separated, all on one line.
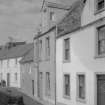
[(42, 34)]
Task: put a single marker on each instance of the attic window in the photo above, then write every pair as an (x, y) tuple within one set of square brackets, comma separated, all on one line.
[(100, 4), (52, 15)]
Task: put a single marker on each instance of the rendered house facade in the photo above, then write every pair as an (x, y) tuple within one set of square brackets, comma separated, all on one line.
[(44, 54), (29, 74), (80, 55), (9, 63)]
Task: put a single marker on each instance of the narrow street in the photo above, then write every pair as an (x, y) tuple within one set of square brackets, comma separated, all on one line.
[(16, 92)]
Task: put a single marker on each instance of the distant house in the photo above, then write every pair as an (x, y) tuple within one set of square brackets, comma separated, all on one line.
[(10, 55), (80, 55), (28, 74)]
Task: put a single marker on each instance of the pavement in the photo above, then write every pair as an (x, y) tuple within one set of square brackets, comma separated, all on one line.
[(17, 92)]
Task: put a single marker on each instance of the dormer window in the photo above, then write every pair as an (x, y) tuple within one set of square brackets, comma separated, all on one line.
[(100, 4), (52, 15)]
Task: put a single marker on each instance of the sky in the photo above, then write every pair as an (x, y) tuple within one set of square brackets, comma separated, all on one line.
[(19, 19)]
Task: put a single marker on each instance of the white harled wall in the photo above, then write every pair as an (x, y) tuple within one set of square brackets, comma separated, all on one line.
[(83, 58), (11, 68), (82, 52)]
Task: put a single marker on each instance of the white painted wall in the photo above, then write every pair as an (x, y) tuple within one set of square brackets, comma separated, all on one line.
[(82, 52), (29, 73), (83, 58), (89, 13), (11, 68)]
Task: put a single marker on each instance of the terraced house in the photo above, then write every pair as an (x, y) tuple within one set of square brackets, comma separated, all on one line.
[(80, 58), (44, 54), (29, 74), (10, 55)]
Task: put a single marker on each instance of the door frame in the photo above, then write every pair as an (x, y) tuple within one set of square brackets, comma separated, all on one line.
[(95, 86)]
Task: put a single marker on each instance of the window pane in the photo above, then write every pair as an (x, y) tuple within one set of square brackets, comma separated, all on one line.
[(100, 4), (81, 89), (66, 85), (67, 43), (47, 46), (47, 83), (40, 48), (52, 16), (15, 76), (101, 40), (66, 49), (101, 32), (102, 47), (67, 54)]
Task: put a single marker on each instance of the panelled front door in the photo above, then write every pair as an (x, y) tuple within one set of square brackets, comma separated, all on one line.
[(101, 89), (41, 85)]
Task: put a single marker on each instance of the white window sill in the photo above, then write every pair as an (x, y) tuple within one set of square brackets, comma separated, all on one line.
[(100, 56), (66, 97), (66, 61), (99, 11), (81, 100)]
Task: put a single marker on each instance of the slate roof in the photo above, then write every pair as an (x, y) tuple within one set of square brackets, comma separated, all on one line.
[(3, 53), (72, 20), (28, 57), (14, 52)]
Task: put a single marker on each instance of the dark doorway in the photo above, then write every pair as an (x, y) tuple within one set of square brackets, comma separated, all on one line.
[(33, 87), (101, 89)]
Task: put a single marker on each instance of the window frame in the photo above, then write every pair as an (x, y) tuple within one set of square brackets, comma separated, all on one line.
[(66, 60), (40, 49), (48, 83), (97, 55), (16, 76), (96, 7), (51, 15), (64, 95), (47, 47), (77, 87)]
